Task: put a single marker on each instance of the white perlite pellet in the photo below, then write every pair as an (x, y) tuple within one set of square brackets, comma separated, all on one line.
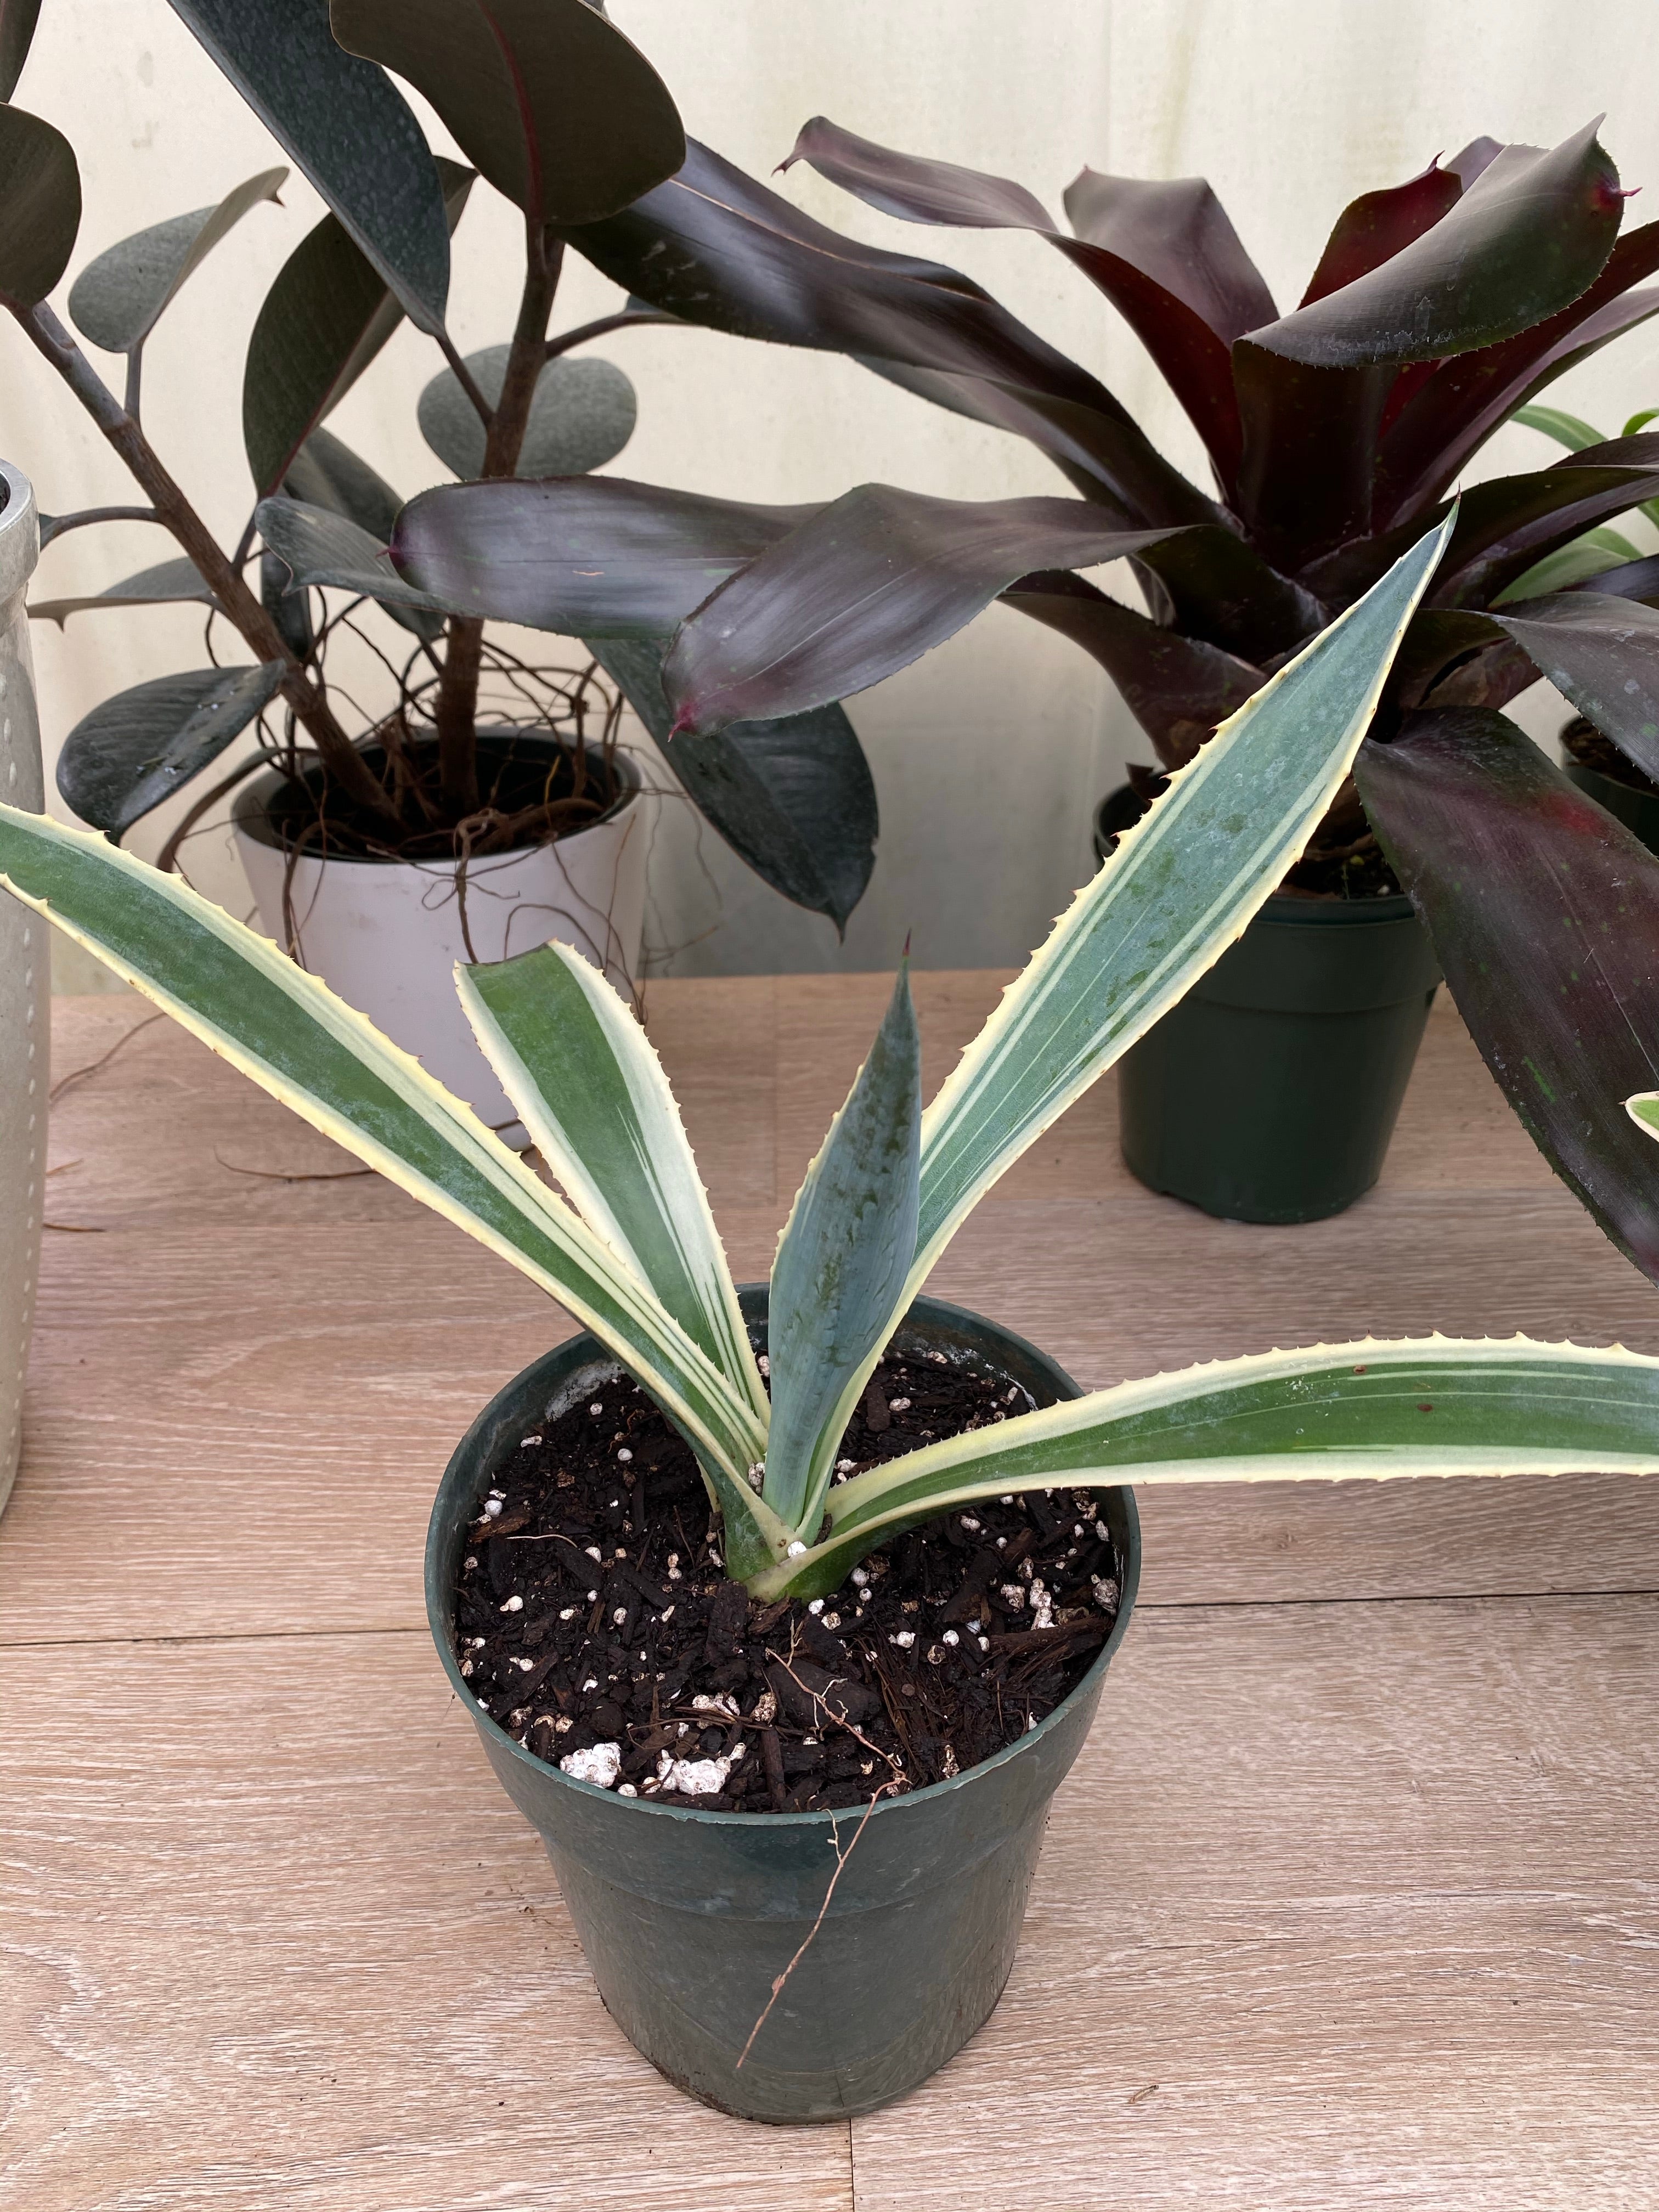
[(904, 1639), (600, 1763), (624, 1453), (492, 1509), (513, 1604)]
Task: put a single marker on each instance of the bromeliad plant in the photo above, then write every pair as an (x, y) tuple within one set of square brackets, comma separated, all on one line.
[(634, 1252), (569, 121), (1335, 432)]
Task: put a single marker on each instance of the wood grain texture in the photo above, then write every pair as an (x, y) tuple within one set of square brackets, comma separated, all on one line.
[(1342, 1906), (274, 1937)]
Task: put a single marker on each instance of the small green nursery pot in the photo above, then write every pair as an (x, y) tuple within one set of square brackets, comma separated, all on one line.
[(1270, 1093), (686, 1917), (1638, 810)]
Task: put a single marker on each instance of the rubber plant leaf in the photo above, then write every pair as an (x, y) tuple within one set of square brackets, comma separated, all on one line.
[(1603, 654), (167, 582), (1370, 1411), (39, 206), (1170, 321), (581, 415), (842, 1262), (1528, 238), (117, 299), (1179, 889), (135, 749), (885, 574), (597, 556), (715, 247), (323, 548), (591, 1091), (794, 798), (288, 1031), (349, 129), (550, 101), (323, 321), (1544, 916), (17, 21), (326, 472)]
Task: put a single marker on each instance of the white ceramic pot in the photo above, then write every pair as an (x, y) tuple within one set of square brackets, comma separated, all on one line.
[(25, 971), (386, 934)]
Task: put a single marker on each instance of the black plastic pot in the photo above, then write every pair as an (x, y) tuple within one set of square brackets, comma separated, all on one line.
[(1270, 1093), (1637, 810), (686, 1917)]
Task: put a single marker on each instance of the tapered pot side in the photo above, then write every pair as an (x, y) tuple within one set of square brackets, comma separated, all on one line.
[(686, 1917), (1271, 1092), (25, 973), (386, 934)]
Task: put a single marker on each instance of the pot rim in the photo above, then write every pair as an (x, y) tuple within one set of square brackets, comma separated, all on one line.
[(19, 532), (938, 1310), (248, 816)]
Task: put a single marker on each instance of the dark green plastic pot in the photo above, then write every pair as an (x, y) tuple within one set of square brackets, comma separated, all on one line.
[(686, 1917), (1638, 810), (1270, 1093)]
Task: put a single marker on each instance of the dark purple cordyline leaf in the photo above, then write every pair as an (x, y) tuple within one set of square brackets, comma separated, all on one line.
[(1437, 639), (546, 98), (1476, 158), (1373, 228), (864, 588), (1212, 585), (1529, 236), (1490, 677), (1193, 358), (1544, 916), (1177, 688), (1631, 579), (715, 247), (1304, 480), (590, 557), (1603, 653), (1177, 232), (1457, 406)]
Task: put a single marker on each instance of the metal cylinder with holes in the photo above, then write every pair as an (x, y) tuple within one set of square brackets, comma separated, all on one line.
[(25, 964)]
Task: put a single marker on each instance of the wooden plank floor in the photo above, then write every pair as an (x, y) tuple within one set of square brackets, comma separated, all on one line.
[(1352, 1900)]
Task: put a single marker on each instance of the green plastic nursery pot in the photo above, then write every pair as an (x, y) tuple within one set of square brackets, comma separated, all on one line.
[(1638, 810), (687, 1918), (1270, 1093)]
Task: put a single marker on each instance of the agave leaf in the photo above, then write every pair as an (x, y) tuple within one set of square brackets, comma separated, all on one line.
[(1373, 228), (1544, 916), (167, 582), (1179, 889), (138, 748), (288, 1031), (583, 416), (864, 588), (319, 547), (553, 105), (1526, 240), (842, 1263), (794, 798), (1603, 654), (324, 320), (1370, 1411), (17, 21), (117, 299), (348, 128), (591, 1090), (39, 206), (594, 557)]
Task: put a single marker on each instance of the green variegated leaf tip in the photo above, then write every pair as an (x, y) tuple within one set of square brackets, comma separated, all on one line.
[(1644, 1110)]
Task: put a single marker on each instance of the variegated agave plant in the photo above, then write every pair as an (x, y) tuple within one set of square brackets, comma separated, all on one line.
[(632, 1250)]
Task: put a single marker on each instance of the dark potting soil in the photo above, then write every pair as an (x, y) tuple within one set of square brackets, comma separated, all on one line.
[(591, 1611), (1585, 744)]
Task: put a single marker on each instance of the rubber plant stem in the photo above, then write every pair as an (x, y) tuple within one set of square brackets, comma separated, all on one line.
[(456, 713), (174, 512)]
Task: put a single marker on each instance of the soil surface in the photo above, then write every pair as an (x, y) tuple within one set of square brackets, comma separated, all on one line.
[(1585, 744), (593, 1622)]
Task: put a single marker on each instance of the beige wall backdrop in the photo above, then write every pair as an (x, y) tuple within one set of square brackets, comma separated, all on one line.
[(989, 755)]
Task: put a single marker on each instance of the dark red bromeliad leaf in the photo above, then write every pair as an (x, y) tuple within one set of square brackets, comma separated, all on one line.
[(1544, 916)]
